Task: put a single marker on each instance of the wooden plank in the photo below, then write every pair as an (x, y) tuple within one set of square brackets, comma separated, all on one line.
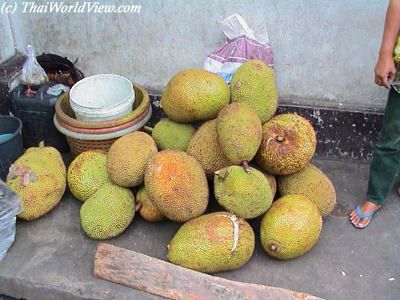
[(164, 279)]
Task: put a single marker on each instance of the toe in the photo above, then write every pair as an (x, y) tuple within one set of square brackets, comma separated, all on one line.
[(362, 222), (353, 216), (355, 219)]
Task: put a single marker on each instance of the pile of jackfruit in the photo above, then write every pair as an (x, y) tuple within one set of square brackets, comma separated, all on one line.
[(222, 144)]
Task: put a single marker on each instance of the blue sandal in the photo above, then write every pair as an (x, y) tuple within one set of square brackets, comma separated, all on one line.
[(361, 215)]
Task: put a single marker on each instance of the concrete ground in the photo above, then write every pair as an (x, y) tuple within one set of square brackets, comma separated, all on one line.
[(52, 259)]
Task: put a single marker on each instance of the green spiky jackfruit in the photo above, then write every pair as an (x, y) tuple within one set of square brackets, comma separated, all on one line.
[(87, 173), (177, 185), (171, 135), (254, 83), (39, 179), (194, 95), (205, 148), (288, 144), (128, 157), (313, 183), (212, 243), (271, 178), (148, 210), (291, 227), (239, 132), (247, 195), (108, 212)]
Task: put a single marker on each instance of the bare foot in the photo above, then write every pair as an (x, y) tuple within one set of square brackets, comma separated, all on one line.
[(365, 207)]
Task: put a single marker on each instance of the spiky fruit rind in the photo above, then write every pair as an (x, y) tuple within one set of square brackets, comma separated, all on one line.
[(87, 173), (396, 51), (108, 212), (205, 148), (215, 242), (247, 195), (291, 227), (254, 83), (148, 210), (313, 183), (239, 132), (177, 185), (172, 135), (194, 95), (46, 186), (127, 158), (271, 178), (288, 144)]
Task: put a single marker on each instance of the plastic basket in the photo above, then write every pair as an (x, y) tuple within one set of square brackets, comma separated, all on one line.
[(78, 146), (66, 115), (80, 142)]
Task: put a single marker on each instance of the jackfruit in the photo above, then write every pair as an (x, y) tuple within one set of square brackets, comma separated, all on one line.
[(194, 95), (239, 132), (148, 210), (177, 185), (108, 212), (313, 183), (171, 135), (288, 144), (291, 227), (247, 195), (127, 158), (87, 173), (205, 148), (254, 84), (39, 179), (396, 51), (271, 178), (215, 242)]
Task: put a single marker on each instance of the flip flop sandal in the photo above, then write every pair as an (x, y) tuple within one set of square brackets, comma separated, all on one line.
[(361, 215)]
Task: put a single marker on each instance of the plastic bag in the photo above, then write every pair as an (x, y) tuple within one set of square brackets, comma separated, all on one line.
[(242, 44), (10, 206), (32, 73)]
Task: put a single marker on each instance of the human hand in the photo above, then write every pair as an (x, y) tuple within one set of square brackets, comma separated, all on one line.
[(385, 71)]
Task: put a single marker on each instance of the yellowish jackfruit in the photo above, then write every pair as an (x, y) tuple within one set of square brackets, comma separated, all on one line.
[(271, 178), (288, 144), (205, 148), (313, 183), (148, 210), (87, 173), (291, 227), (239, 132), (194, 95), (39, 179), (108, 212), (127, 158), (177, 185), (247, 195), (172, 135), (254, 84), (212, 243)]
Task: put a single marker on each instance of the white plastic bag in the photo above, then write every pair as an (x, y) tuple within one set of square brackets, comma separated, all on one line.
[(242, 44), (10, 207), (32, 73)]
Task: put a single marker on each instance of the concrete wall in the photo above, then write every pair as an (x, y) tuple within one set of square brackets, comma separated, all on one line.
[(324, 50), (7, 48)]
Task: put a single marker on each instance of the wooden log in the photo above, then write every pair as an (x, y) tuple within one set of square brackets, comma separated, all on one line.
[(164, 279)]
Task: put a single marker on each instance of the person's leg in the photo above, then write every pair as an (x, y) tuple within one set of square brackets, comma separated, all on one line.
[(385, 162)]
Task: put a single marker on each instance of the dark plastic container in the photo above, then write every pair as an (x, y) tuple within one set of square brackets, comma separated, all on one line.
[(36, 113), (11, 146)]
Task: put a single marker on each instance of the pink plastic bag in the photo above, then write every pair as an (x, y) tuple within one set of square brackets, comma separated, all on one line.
[(242, 44)]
